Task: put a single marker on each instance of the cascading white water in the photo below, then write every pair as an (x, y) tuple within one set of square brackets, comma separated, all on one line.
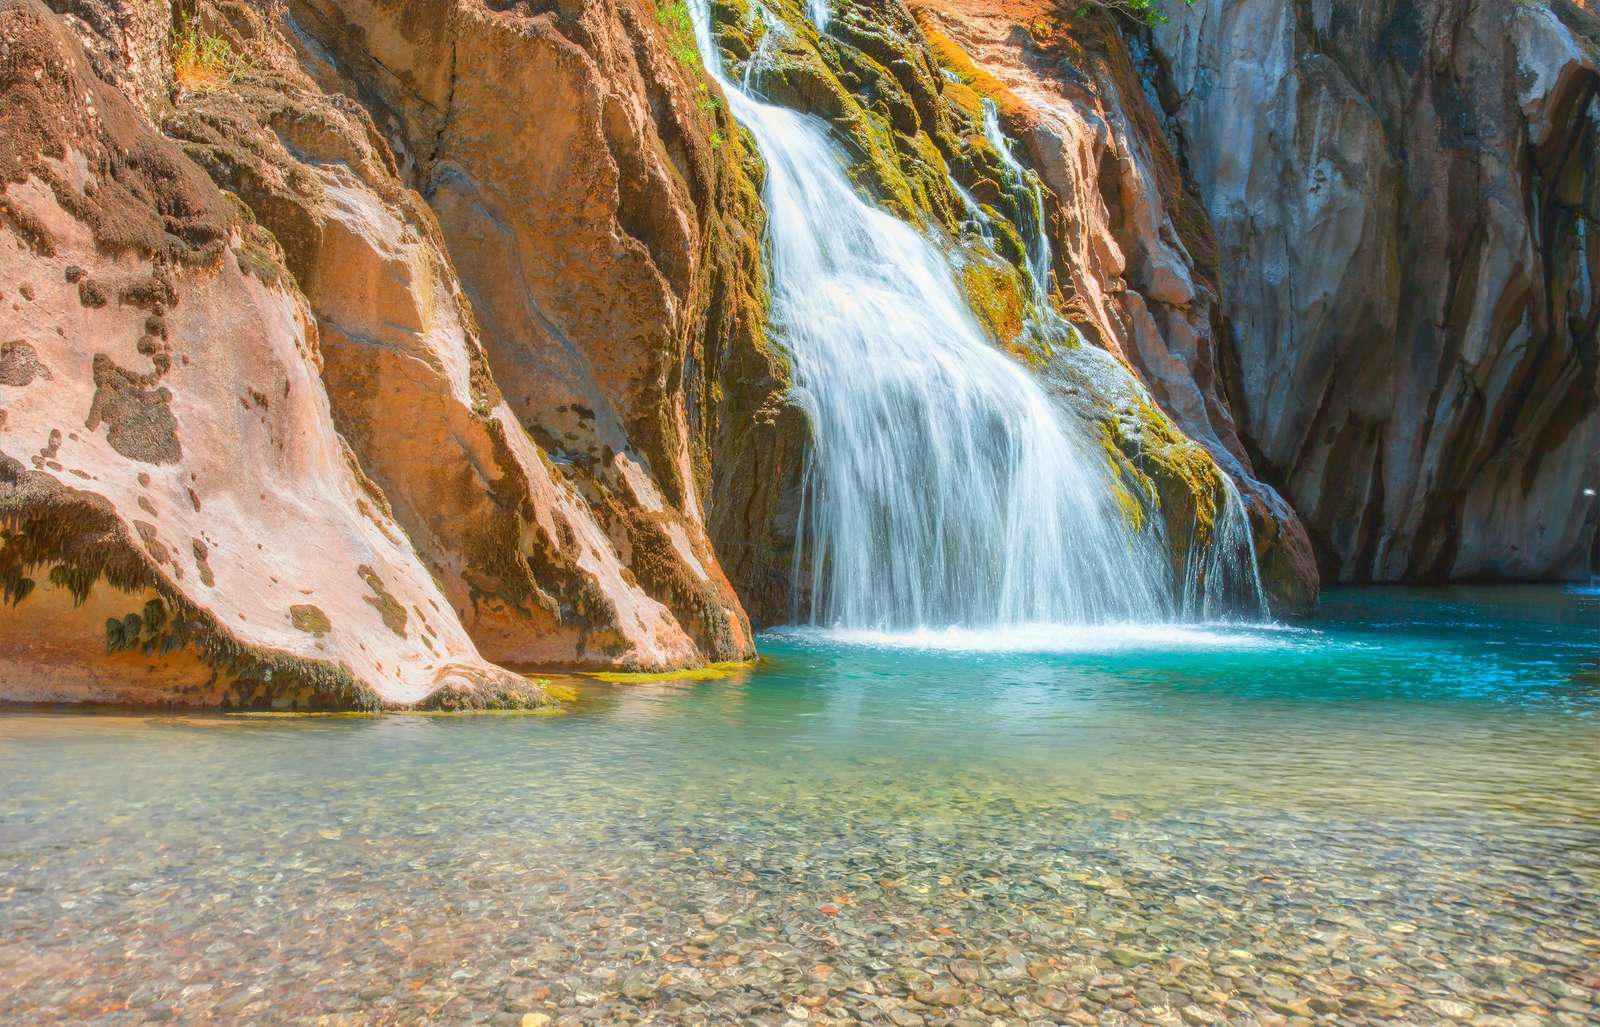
[(818, 12), (1221, 577), (943, 486)]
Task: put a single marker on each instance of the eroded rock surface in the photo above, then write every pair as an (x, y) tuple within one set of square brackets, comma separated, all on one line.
[(1405, 194), (526, 561), (181, 521), (599, 210)]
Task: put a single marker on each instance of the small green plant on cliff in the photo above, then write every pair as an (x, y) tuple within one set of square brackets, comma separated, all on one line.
[(709, 101), (673, 15), (200, 60), (1147, 11)]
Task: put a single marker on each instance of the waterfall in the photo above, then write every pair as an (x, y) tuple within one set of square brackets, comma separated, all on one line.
[(1223, 578), (817, 11), (943, 486)]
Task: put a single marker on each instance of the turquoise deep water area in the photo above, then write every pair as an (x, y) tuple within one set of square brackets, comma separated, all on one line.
[(1388, 814)]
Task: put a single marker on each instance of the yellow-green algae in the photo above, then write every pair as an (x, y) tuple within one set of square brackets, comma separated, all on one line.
[(709, 672), (560, 695), (1155, 468), (535, 711), (995, 293), (973, 82)]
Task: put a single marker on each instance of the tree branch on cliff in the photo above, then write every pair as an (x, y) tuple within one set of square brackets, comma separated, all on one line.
[(1146, 12)]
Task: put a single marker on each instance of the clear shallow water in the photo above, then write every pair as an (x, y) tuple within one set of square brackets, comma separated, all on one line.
[(1389, 815)]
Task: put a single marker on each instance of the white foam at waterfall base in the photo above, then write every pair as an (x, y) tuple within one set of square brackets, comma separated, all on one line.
[(943, 485), (1060, 639)]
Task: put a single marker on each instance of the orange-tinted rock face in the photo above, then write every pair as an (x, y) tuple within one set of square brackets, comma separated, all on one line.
[(618, 292), (518, 548), (587, 210), (181, 521)]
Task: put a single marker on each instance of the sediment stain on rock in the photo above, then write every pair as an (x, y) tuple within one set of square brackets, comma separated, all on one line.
[(20, 364), (136, 412)]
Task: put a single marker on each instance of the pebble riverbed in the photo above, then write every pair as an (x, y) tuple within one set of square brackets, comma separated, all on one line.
[(739, 852)]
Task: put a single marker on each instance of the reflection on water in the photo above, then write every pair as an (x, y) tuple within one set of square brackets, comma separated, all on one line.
[(1391, 811)]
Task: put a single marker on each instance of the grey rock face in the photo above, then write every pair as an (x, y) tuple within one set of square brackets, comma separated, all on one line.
[(1404, 192)]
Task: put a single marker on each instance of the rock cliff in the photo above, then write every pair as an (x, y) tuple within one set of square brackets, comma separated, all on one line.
[(1404, 193), (609, 247), (182, 522)]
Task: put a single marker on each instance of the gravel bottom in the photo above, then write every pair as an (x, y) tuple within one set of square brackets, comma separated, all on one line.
[(905, 909)]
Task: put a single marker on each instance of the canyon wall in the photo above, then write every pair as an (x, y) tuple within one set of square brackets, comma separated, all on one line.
[(353, 351), (258, 245), (1404, 194), (600, 211), (181, 521)]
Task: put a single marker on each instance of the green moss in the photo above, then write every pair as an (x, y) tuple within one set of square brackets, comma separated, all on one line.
[(560, 693), (1156, 467), (201, 60), (269, 715), (524, 696), (673, 16), (1185, 460), (310, 619), (1131, 489), (995, 292), (259, 254), (486, 711), (394, 615), (975, 80)]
